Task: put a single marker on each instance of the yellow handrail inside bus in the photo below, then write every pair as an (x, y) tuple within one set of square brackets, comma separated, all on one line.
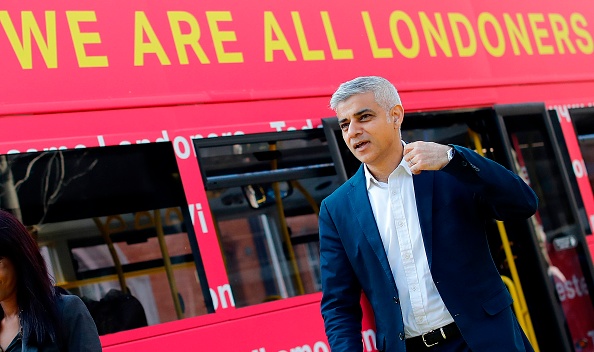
[(150, 220), (284, 228), (106, 230), (173, 216), (107, 278), (513, 285), (154, 220), (307, 195), (167, 263), (515, 288)]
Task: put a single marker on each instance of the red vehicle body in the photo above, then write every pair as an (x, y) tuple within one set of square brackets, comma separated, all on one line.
[(81, 75)]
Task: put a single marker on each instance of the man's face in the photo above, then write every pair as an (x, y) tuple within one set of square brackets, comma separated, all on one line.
[(371, 133)]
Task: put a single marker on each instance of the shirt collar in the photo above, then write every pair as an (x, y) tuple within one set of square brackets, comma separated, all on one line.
[(370, 180)]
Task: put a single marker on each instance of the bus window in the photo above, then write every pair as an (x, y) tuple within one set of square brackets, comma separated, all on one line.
[(114, 227), (264, 191)]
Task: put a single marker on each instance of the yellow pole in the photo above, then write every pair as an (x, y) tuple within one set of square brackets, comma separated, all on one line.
[(307, 195), (105, 232), (284, 228), (167, 264), (513, 284), (523, 307)]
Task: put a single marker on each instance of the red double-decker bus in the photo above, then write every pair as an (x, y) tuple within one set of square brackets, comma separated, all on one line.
[(170, 156)]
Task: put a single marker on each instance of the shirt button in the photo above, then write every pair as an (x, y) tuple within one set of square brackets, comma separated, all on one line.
[(401, 336), (400, 223), (414, 288), (407, 256)]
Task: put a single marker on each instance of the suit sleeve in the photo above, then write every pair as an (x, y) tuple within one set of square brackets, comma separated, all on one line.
[(340, 306), (505, 195), (79, 332)]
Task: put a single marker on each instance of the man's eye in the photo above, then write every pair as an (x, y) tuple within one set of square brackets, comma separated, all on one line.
[(344, 126)]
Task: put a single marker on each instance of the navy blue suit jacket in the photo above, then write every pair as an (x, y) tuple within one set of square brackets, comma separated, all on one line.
[(453, 206)]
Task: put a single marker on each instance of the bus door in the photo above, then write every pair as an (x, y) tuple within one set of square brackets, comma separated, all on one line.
[(534, 147), (542, 260)]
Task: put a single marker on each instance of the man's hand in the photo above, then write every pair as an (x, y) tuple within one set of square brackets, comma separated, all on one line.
[(426, 156)]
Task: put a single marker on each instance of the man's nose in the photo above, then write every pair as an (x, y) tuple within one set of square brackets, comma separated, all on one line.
[(354, 129)]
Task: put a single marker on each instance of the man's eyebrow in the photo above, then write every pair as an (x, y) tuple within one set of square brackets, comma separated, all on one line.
[(357, 114), (362, 111)]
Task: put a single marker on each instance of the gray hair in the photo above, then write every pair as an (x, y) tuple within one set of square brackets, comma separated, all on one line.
[(384, 92)]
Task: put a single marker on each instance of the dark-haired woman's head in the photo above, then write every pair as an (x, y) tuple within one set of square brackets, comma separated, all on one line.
[(8, 282), (34, 289), (19, 246)]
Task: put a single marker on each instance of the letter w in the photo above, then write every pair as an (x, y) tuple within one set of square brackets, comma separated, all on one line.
[(47, 45)]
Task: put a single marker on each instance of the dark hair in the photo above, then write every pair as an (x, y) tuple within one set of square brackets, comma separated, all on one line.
[(36, 296)]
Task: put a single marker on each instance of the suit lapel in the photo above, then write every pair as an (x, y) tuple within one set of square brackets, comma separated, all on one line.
[(359, 201), (423, 183)]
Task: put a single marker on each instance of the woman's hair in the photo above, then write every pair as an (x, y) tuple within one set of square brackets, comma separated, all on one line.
[(36, 296)]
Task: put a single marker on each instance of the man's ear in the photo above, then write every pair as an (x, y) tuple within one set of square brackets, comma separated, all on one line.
[(397, 113)]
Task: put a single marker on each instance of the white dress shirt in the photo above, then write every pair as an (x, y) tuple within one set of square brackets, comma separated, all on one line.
[(395, 211)]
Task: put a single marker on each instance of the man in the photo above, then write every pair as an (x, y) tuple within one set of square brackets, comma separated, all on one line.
[(408, 229)]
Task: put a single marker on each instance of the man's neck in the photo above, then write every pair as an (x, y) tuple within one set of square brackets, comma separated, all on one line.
[(382, 172), (380, 177)]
